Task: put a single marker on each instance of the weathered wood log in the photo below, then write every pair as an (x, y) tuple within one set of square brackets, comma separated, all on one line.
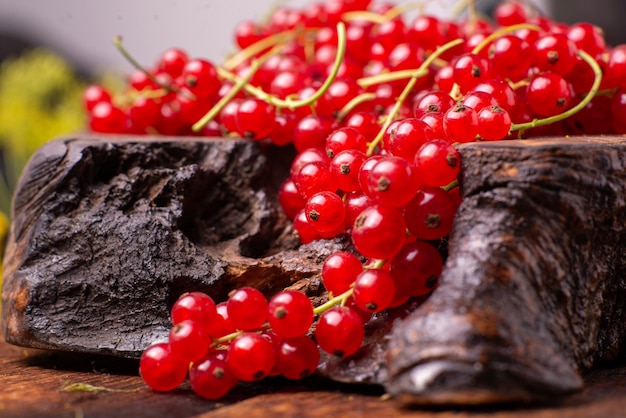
[(108, 232), (534, 289)]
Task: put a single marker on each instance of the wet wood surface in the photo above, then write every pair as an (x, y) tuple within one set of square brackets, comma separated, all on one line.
[(42, 384)]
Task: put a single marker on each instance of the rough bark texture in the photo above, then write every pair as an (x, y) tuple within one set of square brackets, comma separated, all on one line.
[(533, 290), (107, 233)]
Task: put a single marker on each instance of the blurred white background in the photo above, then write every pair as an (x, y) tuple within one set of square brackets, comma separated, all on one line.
[(82, 30)]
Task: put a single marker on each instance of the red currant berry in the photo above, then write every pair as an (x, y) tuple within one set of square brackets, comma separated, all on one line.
[(255, 119), (339, 271), (416, 269), (247, 308), (461, 123), (548, 94), (437, 163), (194, 306), (189, 340), (392, 181), (340, 331), (210, 377), (429, 216), (290, 313), (494, 123), (200, 77), (374, 290), (251, 356), (160, 369), (297, 358), (345, 167), (379, 232)]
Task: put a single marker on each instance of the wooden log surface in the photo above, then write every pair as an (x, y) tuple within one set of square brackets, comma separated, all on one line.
[(41, 275), (38, 384)]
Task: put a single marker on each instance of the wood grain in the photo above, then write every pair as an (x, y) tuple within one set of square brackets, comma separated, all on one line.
[(33, 383)]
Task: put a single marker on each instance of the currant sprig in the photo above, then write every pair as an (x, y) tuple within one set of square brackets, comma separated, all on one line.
[(375, 106)]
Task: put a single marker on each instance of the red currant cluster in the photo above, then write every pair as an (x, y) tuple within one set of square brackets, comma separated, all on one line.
[(246, 339), (374, 106)]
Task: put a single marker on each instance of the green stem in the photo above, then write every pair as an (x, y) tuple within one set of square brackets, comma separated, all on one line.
[(597, 71), (256, 48), (117, 41), (290, 103), (352, 104), (237, 87), (226, 338), (451, 185), (502, 31), (387, 77), (336, 300), (407, 90)]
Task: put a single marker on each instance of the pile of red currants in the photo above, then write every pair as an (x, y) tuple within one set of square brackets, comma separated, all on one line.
[(374, 105)]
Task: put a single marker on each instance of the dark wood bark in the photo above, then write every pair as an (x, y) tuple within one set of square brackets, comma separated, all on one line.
[(533, 291), (108, 232)]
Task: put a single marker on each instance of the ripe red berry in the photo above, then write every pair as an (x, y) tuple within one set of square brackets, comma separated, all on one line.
[(290, 313), (251, 356), (344, 168), (325, 212), (297, 358), (340, 331), (392, 181), (548, 94), (195, 306), (339, 271), (374, 290), (429, 216), (247, 308), (379, 232), (200, 77), (189, 340), (494, 123), (210, 377), (437, 163), (460, 123), (255, 119), (160, 369), (416, 269)]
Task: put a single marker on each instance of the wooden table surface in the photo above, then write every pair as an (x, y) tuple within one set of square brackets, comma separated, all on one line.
[(36, 383)]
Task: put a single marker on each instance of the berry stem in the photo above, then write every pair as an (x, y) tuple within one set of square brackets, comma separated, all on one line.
[(336, 300), (117, 41), (597, 71), (257, 47), (352, 104), (289, 103), (407, 90), (502, 31), (239, 84), (454, 183), (387, 77)]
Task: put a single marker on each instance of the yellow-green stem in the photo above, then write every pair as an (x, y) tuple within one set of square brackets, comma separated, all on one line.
[(352, 104), (289, 103), (226, 338), (257, 47), (502, 31), (387, 77), (117, 41), (236, 88), (334, 301), (407, 90), (597, 71)]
